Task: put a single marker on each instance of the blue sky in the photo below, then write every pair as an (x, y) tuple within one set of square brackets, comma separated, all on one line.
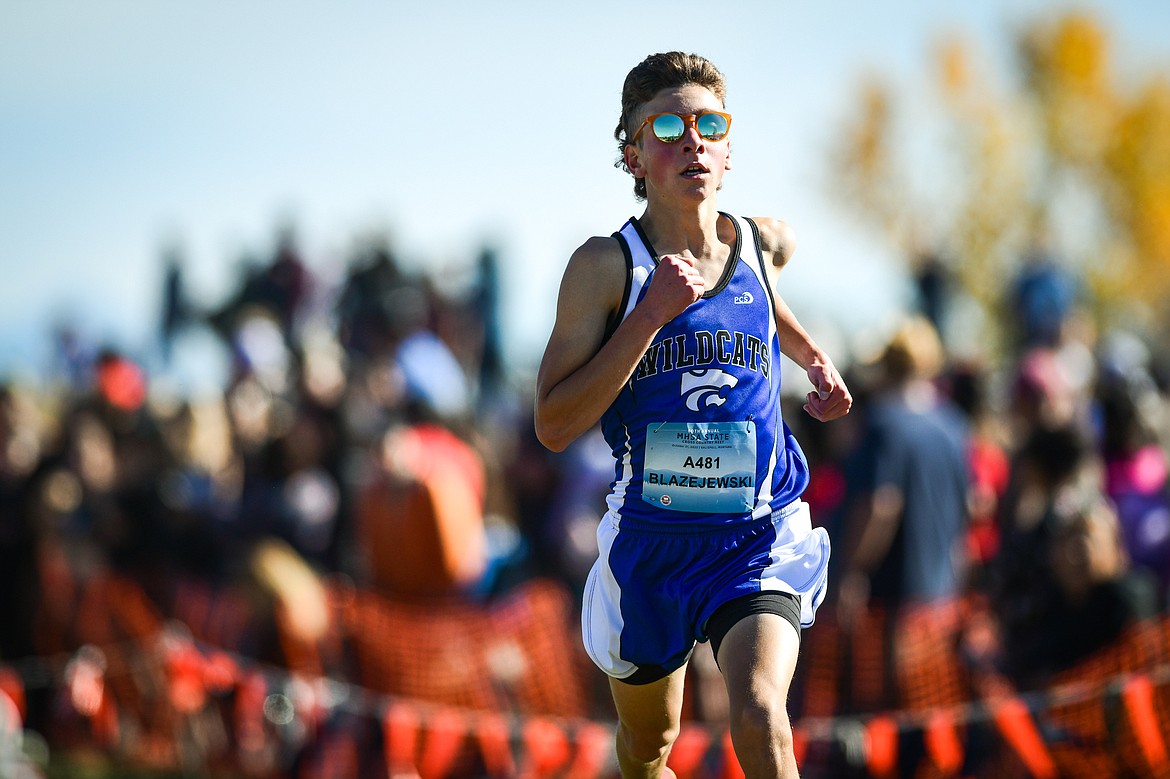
[(128, 124)]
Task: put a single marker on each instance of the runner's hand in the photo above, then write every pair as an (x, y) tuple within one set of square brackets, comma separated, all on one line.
[(831, 399), (675, 285)]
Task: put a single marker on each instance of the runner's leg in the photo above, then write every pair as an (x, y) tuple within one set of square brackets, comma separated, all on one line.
[(649, 718), (758, 658)]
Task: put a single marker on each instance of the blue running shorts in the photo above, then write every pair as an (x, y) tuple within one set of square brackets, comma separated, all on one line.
[(654, 586)]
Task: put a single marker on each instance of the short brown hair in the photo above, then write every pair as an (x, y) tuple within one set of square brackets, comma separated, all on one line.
[(652, 75), (915, 351)]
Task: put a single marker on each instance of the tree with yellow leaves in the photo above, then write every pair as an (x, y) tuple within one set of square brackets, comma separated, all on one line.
[(1070, 153)]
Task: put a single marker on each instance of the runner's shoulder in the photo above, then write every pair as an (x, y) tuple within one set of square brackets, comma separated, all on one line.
[(599, 261), (777, 239)]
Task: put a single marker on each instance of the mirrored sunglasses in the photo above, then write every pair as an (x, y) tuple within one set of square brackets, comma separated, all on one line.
[(670, 127)]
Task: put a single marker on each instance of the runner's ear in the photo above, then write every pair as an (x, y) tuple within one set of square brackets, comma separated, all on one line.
[(633, 162)]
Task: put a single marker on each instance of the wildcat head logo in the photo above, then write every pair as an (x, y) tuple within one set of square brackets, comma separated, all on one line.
[(706, 388)]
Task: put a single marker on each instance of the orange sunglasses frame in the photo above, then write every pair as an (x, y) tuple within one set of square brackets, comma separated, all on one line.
[(689, 120)]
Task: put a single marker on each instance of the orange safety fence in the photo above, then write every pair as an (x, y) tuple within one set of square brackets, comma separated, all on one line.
[(139, 685), (1095, 725), (514, 655), (495, 689), (901, 695)]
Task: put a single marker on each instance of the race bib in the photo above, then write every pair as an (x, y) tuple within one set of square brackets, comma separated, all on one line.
[(708, 467)]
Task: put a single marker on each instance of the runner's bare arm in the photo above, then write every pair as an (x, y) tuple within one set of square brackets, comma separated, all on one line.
[(580, 376), (830, 398)]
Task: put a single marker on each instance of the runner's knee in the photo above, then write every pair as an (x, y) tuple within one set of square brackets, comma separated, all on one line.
[(762, 722), (646, 744)]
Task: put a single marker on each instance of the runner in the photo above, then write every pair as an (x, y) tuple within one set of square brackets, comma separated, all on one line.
[(669, 334)]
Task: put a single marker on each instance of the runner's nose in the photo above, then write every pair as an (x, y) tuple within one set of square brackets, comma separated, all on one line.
[(691, 140)]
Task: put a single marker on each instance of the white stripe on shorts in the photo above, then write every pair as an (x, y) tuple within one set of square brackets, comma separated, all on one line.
[(601, 614), (800, 559)]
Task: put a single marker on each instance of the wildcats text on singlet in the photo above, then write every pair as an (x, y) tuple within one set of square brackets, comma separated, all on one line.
[(702, 347)]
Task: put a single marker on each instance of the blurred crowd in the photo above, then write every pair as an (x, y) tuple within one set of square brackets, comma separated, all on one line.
[(1032, 486), (372, 432)]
